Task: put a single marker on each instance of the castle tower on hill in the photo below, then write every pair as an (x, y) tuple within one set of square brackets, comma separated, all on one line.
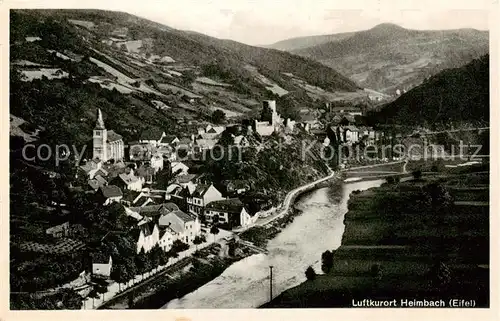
[(106, 144)]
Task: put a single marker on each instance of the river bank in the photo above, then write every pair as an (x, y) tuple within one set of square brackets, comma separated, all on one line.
[(245, 284), (185, 276), (394, 247), (260, 235)]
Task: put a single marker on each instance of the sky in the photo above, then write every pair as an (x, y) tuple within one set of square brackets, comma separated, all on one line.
[(261, 22)]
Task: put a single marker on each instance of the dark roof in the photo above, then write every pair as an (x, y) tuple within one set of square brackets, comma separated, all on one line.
[(154, 210), (185, 178), (200, 190), (111, 191), (151, 134), (130, 195), (147, 228), (112, 136), (101, 180), (185, 140), (233, 205), (100, 257), (102, 172), (168, 139), (183, 216), (94, 184)]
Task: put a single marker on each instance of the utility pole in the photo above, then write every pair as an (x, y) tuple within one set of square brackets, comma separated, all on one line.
[(270, 283)]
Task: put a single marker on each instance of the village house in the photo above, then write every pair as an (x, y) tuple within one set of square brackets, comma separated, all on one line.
[(162, 225), (97, 182), (204, 144), (179, 168), (351, 134), (178, 194), (110, 194), (101, 264), (210, 132), (236, 186), (178, 225), (148, 198), (147, 233), (151, 137), (184, 180), (367, 133), (202, 195), (59, 231), (229, 213), (151, 212), (90, 168), (148, 236), (128, 181), (168, 141)]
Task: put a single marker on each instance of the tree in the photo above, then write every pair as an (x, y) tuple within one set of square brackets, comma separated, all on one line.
[(198, 240), (155, 256), (122, 271), (326, 261), (310, 273), (70, 300), (439, 276), (179, 246), (214, 230), (140, 262), (96, 291), (218, 116), (376, 271), (417, 174), (437, 197)]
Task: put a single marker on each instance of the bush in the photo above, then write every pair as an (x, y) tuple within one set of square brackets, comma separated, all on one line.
[(393, 179), (326, 261), (376, 271), (417, 174), (218, 116), (310, 273)]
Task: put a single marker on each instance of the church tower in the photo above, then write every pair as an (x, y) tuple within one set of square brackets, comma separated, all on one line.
[(100, 137)]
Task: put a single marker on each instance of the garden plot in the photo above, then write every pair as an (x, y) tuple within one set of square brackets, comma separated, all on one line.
[(50, 73), (211, 82), (108, 84), (60, 55), (122, 79), (270, 85)]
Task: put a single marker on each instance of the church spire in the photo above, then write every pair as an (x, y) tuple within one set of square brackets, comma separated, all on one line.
[(100, 122)]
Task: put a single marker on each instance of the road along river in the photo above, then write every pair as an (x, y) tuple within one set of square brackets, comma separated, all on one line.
[(245, 284)]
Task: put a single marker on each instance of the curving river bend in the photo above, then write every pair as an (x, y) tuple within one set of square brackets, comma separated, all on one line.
[(245, 284)]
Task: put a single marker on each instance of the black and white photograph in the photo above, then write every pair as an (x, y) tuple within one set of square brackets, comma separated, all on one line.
[(249, 155)]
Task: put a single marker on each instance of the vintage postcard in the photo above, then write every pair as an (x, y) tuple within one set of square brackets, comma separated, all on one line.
[(185, 155)]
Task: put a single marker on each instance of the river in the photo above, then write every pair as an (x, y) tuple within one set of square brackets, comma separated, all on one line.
[(245, 284)]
